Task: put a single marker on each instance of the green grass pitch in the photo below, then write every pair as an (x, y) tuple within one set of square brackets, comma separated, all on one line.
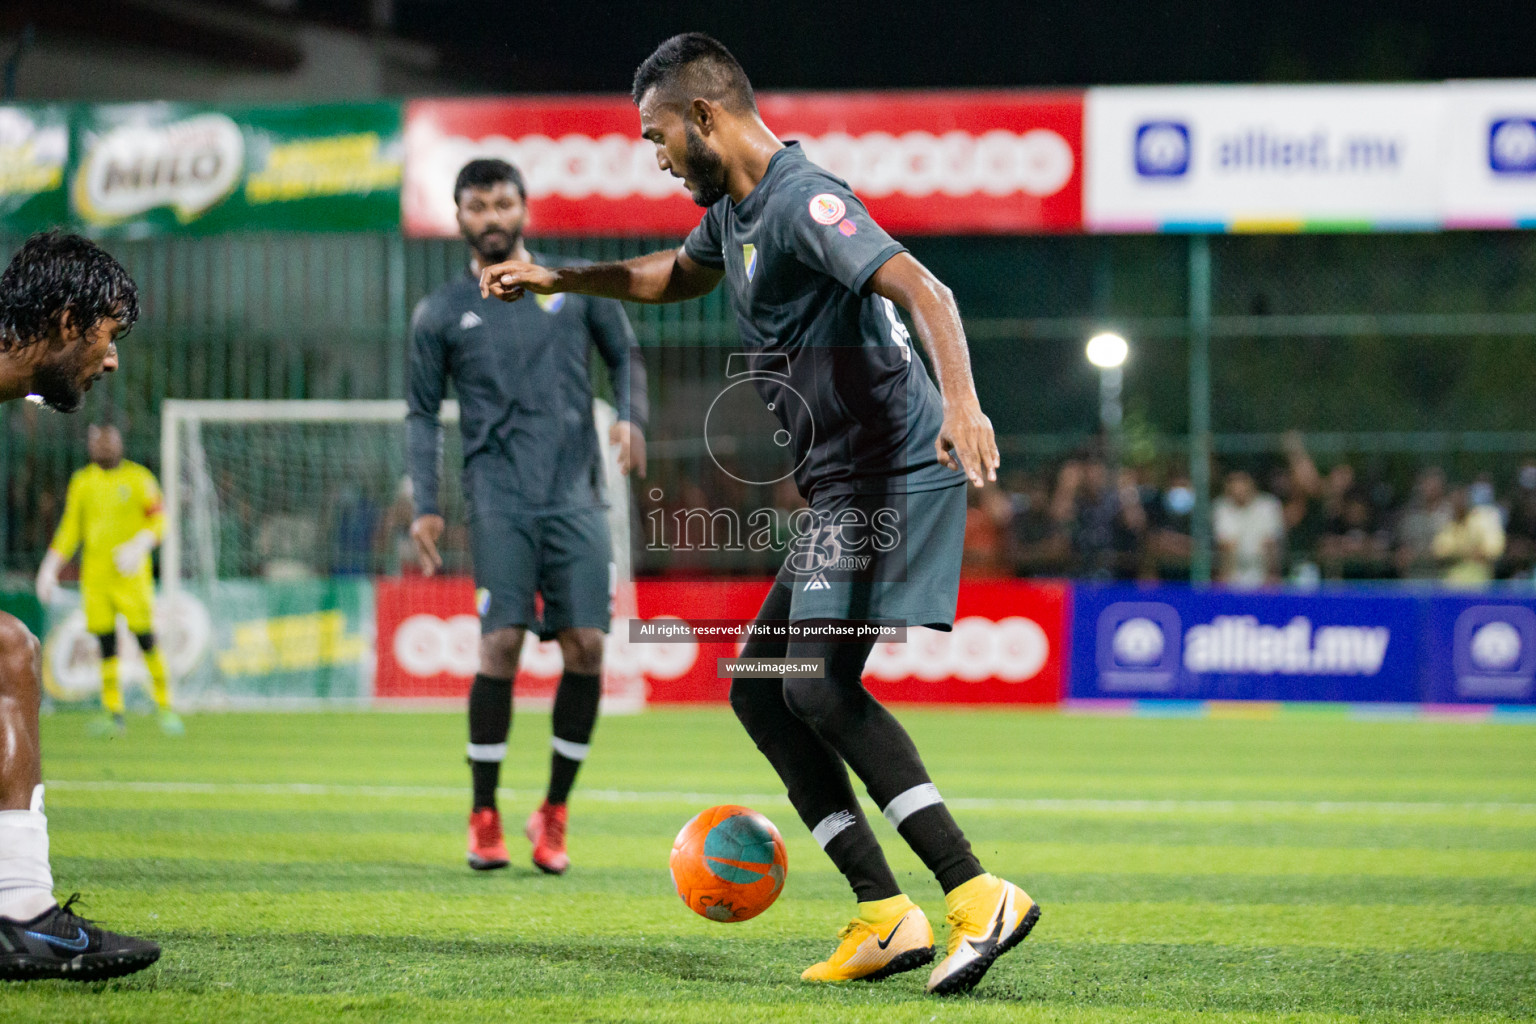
[(310, 867)]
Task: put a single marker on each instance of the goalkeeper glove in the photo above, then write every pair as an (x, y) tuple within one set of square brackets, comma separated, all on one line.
[(48, 576), (129, 556)]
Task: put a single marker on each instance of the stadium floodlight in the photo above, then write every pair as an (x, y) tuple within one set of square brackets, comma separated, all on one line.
[(1108, 351)]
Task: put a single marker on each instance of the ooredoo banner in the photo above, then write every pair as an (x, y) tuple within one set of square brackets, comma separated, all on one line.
[(1177, 642), (924, 162), (1007, 646), (428, 647)]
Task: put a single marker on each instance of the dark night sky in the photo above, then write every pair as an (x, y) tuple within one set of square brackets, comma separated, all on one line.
[(802, 44)]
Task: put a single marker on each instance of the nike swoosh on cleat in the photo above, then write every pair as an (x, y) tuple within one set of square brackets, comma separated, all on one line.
[(74, 945), (892, 935), (985, 946)]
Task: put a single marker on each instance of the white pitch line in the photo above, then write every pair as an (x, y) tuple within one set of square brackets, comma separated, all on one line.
[(619, 796)]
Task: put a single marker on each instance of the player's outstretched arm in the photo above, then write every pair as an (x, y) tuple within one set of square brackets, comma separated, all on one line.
[(666, 276), (965, 440)]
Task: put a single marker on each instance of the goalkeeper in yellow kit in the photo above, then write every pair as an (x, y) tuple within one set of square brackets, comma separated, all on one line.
[(113, 513)]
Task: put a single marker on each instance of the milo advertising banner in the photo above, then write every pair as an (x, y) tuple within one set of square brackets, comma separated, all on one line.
[(34, 154), (236, 643), (145, 168)]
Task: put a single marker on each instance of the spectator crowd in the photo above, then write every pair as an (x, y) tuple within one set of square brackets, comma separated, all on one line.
[(1289, 524)]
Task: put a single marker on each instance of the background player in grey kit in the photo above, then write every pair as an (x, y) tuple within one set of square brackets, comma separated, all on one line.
[(815, 281), (533, 482)]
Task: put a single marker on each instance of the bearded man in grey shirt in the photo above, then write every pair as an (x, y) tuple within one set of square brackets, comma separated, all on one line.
[(533, 484)]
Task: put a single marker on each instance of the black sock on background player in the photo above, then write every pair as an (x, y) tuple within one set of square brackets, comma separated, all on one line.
[(571, 725), (490, 720)]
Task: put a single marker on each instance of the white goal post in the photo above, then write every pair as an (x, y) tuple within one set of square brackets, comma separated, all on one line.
[(185, 415), (263, 495)]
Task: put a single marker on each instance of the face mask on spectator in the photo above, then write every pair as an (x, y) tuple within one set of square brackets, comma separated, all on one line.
[(1480, 493), (1180, 501), (1528, 478)]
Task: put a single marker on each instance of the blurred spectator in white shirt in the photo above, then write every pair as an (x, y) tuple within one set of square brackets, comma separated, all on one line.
[(1249, 528)]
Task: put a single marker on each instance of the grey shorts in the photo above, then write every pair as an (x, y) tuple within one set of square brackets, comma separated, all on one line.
[(564, 557), (893, 557)]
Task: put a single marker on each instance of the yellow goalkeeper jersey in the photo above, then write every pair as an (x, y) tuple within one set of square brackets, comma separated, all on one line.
[(105, 508)]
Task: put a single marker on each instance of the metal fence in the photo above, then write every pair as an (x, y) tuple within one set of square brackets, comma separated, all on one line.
[(1391, 348)]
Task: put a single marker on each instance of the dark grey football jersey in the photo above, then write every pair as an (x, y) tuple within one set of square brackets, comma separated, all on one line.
[(521, 373), (798, 253)]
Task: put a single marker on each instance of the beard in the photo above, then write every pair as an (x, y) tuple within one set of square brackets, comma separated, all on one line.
[(706, 171), (61, 382), (494, 245)]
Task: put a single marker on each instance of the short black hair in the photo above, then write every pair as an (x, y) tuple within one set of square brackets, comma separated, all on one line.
[(484, 173), (695, 65), (53, 272)]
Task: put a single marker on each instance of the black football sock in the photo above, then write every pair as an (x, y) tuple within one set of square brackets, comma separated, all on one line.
[(878, 749), (812, 772), (490, 719), (571, 725)]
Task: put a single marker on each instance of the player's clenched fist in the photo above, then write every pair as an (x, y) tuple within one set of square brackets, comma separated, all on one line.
[(507, 281)]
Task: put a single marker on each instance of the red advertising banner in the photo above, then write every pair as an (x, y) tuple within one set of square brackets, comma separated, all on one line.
[(1006, 647), (428, 640), (428, 647), (1003, 162)]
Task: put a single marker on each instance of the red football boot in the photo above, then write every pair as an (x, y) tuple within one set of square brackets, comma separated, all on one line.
[(546, 831), (487, 848)]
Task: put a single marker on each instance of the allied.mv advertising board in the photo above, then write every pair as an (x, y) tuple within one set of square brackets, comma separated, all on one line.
[(1264, 158)]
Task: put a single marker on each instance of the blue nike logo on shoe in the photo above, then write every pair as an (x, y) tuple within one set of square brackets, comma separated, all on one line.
[(74, 945)]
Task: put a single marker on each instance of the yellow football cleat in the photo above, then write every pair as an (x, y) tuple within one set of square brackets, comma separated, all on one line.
[(898, 939), (987, 918)]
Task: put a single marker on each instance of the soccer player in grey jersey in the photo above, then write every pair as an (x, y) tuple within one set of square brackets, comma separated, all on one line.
[(880, 453), (533, 482)]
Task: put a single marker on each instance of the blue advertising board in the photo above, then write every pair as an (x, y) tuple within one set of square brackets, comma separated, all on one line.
[(1480, 649), (1176, 642)]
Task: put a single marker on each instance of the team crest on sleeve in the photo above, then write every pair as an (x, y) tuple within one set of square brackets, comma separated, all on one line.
[(550, 303), (749, 259), (827, 208)]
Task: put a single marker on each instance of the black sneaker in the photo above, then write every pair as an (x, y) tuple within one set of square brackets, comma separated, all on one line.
[(60, 944)]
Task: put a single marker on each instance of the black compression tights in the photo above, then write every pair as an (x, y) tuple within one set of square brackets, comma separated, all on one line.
[(808, 729)]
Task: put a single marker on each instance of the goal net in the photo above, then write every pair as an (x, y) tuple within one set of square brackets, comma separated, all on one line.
[(288, 575)]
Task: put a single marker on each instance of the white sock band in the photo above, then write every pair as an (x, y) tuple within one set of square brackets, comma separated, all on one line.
[(831, 826), (908, 803), (569, 750), (26, 883), (487, 751)]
